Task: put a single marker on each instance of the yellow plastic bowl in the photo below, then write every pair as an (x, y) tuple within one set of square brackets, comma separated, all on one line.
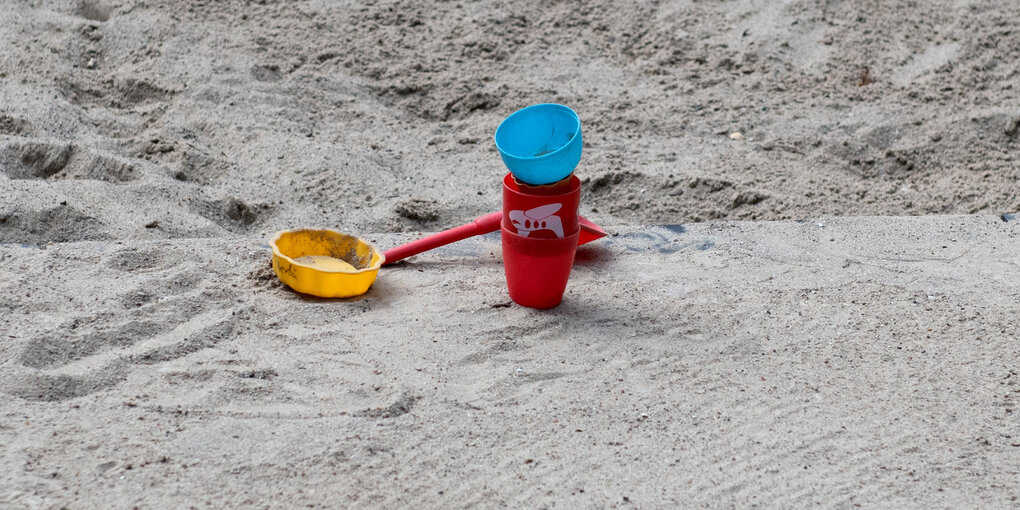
[(320, 279)]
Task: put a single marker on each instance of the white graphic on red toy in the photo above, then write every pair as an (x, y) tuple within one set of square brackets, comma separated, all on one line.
[(539, 218)]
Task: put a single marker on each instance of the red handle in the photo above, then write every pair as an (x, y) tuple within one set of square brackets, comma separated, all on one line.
[(481, 225)]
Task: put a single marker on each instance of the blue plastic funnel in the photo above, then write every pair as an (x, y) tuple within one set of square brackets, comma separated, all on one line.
[(540, 144)]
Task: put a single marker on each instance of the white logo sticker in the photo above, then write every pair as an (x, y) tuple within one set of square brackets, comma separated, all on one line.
[(539, 218)]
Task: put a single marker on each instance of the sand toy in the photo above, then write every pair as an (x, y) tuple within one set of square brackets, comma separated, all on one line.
[(325, 263), (539, 224), (540, 144), (482, 225), (316, 262)]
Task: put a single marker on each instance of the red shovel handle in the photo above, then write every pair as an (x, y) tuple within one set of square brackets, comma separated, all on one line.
[(481, 225)]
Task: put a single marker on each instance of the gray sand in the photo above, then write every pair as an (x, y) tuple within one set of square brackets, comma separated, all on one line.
[(212, 118), (836, 362), (148, 355)]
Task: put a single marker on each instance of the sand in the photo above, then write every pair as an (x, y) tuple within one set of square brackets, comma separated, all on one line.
[(866, 361), (149, 356), (216, 118)]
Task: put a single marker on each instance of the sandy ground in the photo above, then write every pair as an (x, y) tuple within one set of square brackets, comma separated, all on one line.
[(210, 118), (149, 149), (865, 361)]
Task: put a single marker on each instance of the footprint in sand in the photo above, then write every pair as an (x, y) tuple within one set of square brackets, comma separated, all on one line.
[(61, 223), (14, 126), (921, 67), (167, 314), (37, 159), (231, 213), (93, 10)]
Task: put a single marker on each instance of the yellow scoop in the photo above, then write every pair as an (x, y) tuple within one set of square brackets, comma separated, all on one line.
[(325, 263)]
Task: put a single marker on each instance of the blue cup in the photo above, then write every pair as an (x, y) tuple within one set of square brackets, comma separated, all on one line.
[(540, 144)]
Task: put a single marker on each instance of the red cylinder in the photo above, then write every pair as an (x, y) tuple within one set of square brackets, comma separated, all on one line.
[(537, 270), (540, 216), (540, 234)]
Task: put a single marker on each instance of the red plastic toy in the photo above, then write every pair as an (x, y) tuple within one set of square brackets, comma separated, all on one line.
[(482, 225)]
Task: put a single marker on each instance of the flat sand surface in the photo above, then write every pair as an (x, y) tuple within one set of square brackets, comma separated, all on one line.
[(835, 362), (734, 355)]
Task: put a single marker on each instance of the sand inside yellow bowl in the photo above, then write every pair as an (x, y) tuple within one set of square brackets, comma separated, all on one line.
[(325, 263)]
